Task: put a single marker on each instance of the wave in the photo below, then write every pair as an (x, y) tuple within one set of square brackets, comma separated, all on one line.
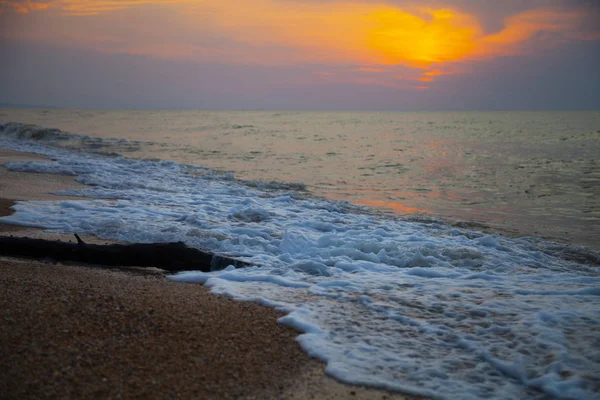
[(58, 138), (20, 131), (116, 147)]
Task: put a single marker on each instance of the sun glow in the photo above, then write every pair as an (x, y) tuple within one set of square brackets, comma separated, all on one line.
[(399, 37)]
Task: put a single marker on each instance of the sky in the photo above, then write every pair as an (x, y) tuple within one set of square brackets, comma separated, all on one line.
[(302, 54)]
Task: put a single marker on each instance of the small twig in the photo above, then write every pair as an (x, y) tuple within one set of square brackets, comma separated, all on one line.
[(79, 241)]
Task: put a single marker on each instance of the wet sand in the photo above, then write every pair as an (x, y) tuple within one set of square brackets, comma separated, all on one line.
[(74, 331)]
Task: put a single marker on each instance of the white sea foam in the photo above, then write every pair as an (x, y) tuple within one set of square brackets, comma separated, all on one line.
[(419, 308)]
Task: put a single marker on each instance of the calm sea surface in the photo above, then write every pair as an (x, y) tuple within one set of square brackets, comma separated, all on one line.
[(523, 173)]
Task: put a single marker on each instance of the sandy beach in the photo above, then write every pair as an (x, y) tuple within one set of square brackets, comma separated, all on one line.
[(76, 331)]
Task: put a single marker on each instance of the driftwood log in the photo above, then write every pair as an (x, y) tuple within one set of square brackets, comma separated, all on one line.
[(172, 257)]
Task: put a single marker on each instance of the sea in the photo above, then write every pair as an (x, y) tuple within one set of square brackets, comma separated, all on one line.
[(453, 255)]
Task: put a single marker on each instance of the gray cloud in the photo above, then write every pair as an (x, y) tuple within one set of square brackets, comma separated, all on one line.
[(566, 78)]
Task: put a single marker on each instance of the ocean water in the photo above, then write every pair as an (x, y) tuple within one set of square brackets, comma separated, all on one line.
[(452, 255), (520, 173)]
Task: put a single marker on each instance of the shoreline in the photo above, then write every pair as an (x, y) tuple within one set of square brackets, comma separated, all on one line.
[(78, 331)]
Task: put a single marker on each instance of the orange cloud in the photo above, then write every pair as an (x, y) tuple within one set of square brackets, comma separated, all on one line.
[(374, 36), (79, 7), (370, 69), (520, 28), (24, 6), (400, 37), (435, 72)]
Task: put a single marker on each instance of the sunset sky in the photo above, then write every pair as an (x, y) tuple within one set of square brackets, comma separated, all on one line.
[(301, 54)]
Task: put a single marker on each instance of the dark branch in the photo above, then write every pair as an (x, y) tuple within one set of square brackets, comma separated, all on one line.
[(172, 257)]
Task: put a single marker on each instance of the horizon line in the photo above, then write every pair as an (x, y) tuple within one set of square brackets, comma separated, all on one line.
[(41, 107)]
